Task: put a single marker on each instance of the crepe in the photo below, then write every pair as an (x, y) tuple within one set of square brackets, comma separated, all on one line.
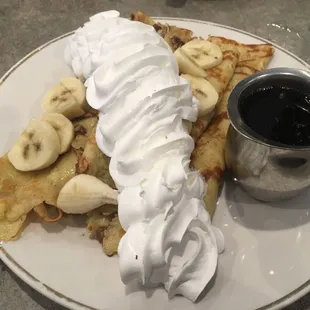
[(219, 77), (20, 192), (112, 236), (174, 36), (90, 159), (93, 161), (104, 226), (247, 51), (82, 129), (102, 223), (10, 230), (208, 156)]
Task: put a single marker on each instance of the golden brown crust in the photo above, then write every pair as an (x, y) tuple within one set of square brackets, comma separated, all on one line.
[(219, 77), (112, 236), (11, 230), (142, 17), (246, 51), (82, 129), (174, 36), (21, 191), (93, 161)]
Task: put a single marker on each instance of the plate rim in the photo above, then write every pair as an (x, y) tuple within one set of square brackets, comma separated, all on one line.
[(75, 305)]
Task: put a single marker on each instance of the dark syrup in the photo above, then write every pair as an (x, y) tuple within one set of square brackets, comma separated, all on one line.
[(278, 114)]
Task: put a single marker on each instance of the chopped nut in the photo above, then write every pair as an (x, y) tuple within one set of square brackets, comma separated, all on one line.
[(112, 237), (80, 130), (176, 42)]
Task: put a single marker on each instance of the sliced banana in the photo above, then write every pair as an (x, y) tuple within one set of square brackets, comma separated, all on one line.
[(187, 65), (84, 193), (67, 98), (204, 92), (204, 53), (63, 127), (77, 89), (38, 147)]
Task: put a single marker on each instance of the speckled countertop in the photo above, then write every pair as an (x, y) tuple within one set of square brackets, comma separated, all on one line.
[(26, 24)]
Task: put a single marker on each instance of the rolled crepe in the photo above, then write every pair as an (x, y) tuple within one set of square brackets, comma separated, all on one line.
[(246, 51), (22, 191), (219, 77), (174, 36), (208, 156)]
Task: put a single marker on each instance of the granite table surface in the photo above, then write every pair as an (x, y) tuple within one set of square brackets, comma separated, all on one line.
[(26, 24)]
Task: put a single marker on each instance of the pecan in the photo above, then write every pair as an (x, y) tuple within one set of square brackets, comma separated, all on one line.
[(161, 29), (80, 130), (176, 42), (157, 27)]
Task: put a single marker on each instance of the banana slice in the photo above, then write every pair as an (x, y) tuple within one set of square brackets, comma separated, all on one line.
[(84, 193), (63, 127), (187, 65), (204, 53), (67, 98), (38, 147), (204, 92), (77, 89)]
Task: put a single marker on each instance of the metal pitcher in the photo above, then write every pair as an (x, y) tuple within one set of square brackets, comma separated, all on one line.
[(266, 170)]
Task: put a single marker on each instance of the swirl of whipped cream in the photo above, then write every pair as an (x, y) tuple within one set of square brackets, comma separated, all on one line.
[(133, 80), (91, 45)]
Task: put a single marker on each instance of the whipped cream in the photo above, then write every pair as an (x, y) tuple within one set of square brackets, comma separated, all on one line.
[(133, 80)]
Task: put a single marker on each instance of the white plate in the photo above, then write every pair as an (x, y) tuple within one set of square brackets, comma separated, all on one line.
[(266, 261)]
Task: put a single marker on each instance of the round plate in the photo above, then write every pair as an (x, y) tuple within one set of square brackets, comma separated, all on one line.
[(266, 261)]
